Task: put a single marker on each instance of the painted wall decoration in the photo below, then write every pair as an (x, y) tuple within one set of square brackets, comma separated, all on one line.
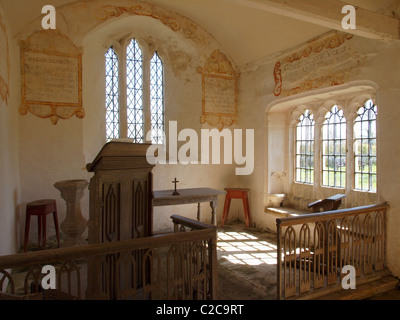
[(4, 61), (181, 24), (51, 73), (219, 83), (322, 62)]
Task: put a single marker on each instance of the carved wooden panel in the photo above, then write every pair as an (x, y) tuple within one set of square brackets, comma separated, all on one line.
[(341, 238), (319, 255), (120, 209), (110, 224), (289, 249), (140, 218), (305, 258), (379, 241)]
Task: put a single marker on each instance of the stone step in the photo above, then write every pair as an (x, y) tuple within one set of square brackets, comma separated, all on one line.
[(366, 287), (365, 290)]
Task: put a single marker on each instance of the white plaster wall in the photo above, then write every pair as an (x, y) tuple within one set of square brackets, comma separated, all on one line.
[(381, 66), (183, 104), (49, 153), (9, 173)]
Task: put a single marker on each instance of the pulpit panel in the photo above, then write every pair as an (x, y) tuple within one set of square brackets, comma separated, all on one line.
[(120, 209)]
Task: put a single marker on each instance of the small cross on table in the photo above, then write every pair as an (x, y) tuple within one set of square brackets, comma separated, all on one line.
[(175, 193)]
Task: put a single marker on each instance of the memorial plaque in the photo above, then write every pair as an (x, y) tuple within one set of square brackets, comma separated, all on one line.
[(51, 78), (219, 91), (51, 73), (322, 62), (219, 95)]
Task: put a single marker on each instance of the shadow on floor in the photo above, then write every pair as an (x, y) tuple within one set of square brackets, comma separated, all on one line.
[(246, 264)]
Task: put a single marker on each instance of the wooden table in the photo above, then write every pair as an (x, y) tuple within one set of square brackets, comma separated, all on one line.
[(186, 196)]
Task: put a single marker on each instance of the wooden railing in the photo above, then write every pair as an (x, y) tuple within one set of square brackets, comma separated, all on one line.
[(174, 266), (312, 249)]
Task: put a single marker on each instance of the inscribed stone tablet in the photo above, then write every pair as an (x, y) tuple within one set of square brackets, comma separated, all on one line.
[(51, 78)]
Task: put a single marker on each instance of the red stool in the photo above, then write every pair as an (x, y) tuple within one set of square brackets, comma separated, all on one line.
[(237, 193), (41, 208)]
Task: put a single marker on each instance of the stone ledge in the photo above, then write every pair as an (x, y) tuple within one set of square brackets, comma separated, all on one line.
[(285, 212)]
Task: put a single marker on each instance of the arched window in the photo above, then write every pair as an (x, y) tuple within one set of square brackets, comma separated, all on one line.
[(365, 147), (134, 92), (334, 149), (129, 114), (157, 99), (112, 95), (305, 148)]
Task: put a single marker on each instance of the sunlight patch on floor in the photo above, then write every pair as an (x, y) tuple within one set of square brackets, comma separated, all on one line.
[(245, 249)]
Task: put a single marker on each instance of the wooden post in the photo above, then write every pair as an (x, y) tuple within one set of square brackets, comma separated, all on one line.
[(279, 258), (213, 261)]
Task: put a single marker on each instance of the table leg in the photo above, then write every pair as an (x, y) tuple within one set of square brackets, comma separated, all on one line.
[(246, 208), (226, 209), (198, 212), (213, 205)]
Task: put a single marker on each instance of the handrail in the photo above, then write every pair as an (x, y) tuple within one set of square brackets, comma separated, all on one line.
[(194, 225), (84, 251), (327, 215), (202, 242), (313, 248)]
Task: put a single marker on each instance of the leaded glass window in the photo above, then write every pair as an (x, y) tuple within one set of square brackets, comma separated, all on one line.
[(365, 147), (134, 94), (112, 95), (157, 99), (334, 149), (305, 148), (134, 84)]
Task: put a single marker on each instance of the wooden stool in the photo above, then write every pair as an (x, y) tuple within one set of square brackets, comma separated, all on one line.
[(237, 193), (41, 208)]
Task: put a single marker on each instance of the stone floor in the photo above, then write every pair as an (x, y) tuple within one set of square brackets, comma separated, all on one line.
[(247, 265)]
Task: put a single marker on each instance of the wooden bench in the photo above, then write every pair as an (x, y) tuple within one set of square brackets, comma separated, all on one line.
[(328, 204)]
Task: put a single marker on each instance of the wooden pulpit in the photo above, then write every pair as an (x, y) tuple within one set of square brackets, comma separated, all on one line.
[(120, 204)]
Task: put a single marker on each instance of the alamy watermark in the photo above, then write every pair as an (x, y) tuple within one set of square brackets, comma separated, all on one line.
[(206, 148), (49, 280), (49, 20), (349, 21), (349, 280)]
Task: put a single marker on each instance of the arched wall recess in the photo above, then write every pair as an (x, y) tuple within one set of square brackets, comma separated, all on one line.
[(281, 118), (82, 18)]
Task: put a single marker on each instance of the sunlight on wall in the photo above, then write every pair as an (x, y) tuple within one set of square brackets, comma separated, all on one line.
[(243, 248)]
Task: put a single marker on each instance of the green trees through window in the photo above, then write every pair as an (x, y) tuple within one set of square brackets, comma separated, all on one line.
[(335, 156)]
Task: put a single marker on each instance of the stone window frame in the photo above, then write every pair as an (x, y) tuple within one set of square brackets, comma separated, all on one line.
[(350, 104), (305, 135), (335, 140)]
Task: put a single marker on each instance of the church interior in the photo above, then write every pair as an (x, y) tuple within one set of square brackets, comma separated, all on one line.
[(138, 137)]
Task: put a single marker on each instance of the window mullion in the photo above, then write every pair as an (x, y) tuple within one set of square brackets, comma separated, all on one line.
[(317, 155), (350, 156), (146, 93), (123, 123)]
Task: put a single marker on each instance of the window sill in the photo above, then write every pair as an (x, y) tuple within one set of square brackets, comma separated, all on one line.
[(129, 140), (285, 212)]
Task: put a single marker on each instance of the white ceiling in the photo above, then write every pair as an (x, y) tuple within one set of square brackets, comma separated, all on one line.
[(247, 34)]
